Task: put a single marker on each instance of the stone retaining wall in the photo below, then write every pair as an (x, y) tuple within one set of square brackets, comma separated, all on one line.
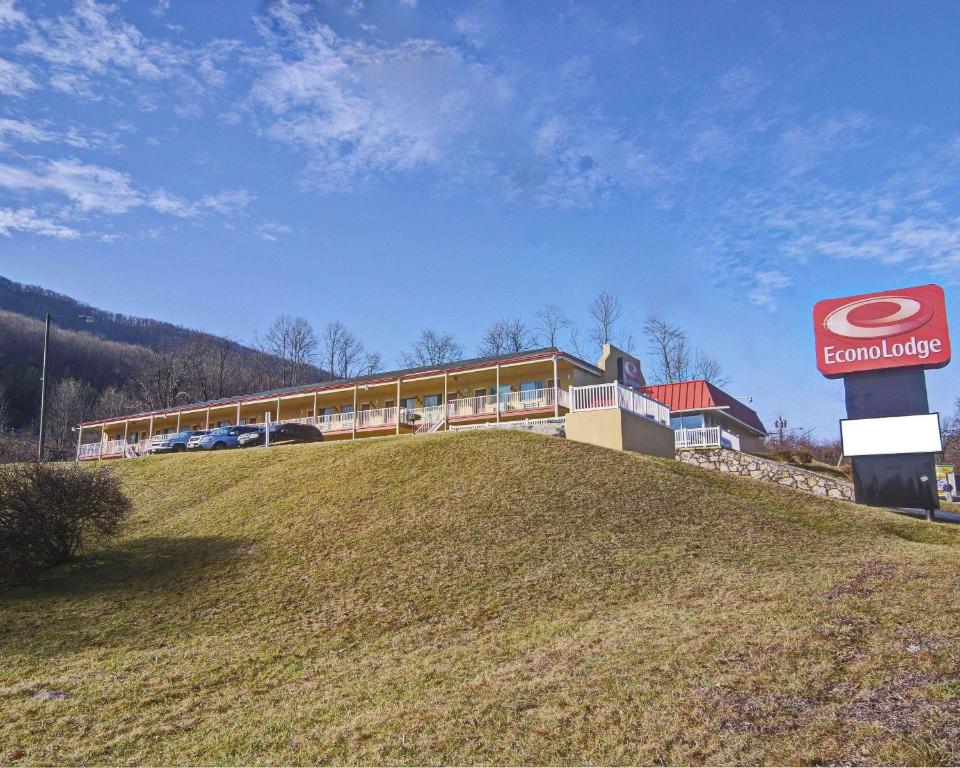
[(734, 462)]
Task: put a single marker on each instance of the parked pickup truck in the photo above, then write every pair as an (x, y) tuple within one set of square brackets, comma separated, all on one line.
[(174, 442), (220, 438)]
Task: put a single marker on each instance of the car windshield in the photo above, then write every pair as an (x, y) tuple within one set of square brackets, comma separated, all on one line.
[(221, 431)]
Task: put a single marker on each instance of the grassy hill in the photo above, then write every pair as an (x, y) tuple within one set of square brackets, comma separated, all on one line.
[(485, 598)]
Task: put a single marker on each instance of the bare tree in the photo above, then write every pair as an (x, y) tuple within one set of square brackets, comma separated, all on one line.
[(344, 355), (160, 381), (605, 310), (707, 367), (576, 343), (113, 401), (673, 357), (506, 336), (302, 348), (293, 342), (432, 348), (667, 345), (70, 403), (551, 320)]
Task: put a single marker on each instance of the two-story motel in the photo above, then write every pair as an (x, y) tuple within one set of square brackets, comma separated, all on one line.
[(538, 384)]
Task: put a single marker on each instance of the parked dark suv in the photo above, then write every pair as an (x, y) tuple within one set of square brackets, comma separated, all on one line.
[(282, 434)]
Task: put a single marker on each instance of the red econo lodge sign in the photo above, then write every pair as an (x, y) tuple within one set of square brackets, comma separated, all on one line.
[(892, 329)]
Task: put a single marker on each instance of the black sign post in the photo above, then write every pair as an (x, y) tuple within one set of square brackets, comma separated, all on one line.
[(891, 480)]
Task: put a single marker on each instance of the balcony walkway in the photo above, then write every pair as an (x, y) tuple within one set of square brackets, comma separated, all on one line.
[(457, 415)]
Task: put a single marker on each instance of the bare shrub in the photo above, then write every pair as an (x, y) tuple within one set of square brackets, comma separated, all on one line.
[(48, 513)]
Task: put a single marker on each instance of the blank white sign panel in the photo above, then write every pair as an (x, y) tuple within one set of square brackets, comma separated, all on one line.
[(894, 434)]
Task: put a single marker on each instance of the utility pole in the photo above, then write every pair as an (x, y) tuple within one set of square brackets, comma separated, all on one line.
[(781, 425), (43, 381), (43, 387)]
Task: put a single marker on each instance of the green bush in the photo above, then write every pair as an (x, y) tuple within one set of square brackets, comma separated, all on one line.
[(49, 512), (803, 456)]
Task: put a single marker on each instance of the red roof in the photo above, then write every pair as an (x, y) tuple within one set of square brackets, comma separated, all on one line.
[(702, 395)]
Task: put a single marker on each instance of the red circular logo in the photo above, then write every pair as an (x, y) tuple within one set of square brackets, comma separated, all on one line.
[(877, 317)]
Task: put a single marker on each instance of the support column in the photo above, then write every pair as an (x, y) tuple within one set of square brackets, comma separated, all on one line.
[(103, 439), (315, 414), (556, 388), (238, 414), (126, 431), (278, 409), (497, 400), (178, 421), (150, 430), (208, 419), (79, 437), (446, 405), (398, 405), (354, 419)]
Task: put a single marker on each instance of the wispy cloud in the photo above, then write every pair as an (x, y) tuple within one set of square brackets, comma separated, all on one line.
[(765, 285), (88, 187), (740, 85), (28, 221), (361, 110), (15, 80), (272, 231)]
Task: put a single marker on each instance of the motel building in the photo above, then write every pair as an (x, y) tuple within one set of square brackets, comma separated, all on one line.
[(604, 403)]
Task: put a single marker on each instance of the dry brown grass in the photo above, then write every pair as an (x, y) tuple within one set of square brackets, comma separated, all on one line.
[(485, 598)]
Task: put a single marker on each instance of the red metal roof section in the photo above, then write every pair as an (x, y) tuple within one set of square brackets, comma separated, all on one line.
[(699, 395)]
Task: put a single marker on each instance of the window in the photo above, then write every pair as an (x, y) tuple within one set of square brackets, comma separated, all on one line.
[(252, 420), (432, 401), (346, 409), (687, 421), (528, 390), (409, 403), (327, 411)]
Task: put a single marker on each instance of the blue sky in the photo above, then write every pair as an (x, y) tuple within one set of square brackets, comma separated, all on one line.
[(407, 164)]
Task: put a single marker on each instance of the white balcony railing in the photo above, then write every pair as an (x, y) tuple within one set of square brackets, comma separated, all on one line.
[(482, 405), (507, 402), (706, 437), (595, 397), (89, 450)]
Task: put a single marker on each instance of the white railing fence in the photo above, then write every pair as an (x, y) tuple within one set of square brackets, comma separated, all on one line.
[(593, 397), (518, 424), (697, 437), (706, 437)]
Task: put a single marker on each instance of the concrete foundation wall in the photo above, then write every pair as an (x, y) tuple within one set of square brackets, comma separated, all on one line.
[(621, 431)]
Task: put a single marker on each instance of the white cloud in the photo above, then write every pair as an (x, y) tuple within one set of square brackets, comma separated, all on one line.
[(91, 38), (227, 202), (10, 16), (15, 80), (765, 283), (801, 148), (27, 220), (89, 187), (740, 85), (160, 8), (271, 231), (360, 109), (20, 130)]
